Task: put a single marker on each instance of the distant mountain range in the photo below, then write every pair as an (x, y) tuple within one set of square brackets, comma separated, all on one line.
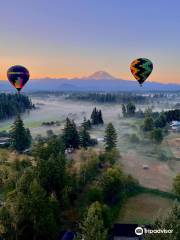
[(98, 81)]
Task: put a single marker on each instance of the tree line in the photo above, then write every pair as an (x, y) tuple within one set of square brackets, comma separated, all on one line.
[(108, 97), (12, 104)]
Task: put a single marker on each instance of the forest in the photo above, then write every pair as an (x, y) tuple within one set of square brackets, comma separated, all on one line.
[(12, 104), (51, 190)]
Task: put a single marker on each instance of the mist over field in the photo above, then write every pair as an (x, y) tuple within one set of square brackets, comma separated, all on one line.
[(56, 107)]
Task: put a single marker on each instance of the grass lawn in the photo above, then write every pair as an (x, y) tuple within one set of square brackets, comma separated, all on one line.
[(143, 208)]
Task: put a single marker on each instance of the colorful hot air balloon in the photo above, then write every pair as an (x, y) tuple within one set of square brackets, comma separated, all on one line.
[(141, 68), (18, 76)]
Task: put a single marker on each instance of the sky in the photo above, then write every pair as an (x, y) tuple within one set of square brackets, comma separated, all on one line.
[(74, 38)]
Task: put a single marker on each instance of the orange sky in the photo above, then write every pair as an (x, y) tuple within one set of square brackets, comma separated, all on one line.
[(76, 38), (63, 71)]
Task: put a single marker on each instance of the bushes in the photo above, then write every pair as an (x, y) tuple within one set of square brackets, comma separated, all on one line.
[(109, 157), (157, 135), (95, 194), (88, 171)]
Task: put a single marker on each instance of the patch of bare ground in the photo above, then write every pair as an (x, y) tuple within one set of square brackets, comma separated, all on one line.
[(159, 175)]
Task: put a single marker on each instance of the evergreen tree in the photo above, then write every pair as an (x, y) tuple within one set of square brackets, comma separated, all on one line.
[(84, 137), (70, 134), (94, 117), (124, 110), (86, 124), (100, 118), (131, 108), (20, 137), (93, 225), (110, 137)]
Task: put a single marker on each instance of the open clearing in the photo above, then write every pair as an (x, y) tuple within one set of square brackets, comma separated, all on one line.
[(144, 208)]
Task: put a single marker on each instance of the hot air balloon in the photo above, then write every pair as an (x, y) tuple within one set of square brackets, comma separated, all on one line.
[(141, 68), (18, 76)]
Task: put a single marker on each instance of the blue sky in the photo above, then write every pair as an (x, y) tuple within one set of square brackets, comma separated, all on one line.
[(73, 38)]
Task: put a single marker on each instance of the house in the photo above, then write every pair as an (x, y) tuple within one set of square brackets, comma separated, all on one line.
[(125, 232), (175, 125)]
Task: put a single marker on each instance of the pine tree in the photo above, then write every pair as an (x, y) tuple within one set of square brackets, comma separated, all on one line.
[(131, 108), (70, 134), (86, 124), (93, 226), (20, 137), (84, 137), (94, 116), (100, 118), (110, 137), (124, 110)]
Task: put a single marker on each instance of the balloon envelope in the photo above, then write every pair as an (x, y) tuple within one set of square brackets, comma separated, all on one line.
[(18, 76), (141, 68)]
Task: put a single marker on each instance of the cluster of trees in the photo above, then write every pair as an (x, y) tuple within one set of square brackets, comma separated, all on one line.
[(32, 206), (154, 127), (108, 97), (156, 123), (129, 109), (96, 117), (75, 138), (12, 104), (42, 196), (51, 194)]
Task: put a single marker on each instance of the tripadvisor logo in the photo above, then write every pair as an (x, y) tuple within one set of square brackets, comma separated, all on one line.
[(140, 231)]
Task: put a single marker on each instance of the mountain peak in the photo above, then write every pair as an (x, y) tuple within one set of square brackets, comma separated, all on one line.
[(100, 75)]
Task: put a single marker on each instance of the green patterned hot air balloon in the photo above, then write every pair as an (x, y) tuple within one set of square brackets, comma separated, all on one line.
[(141, 68)]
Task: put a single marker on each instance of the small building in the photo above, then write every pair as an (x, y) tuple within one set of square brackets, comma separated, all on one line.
[(175, 126), (100, 139)]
